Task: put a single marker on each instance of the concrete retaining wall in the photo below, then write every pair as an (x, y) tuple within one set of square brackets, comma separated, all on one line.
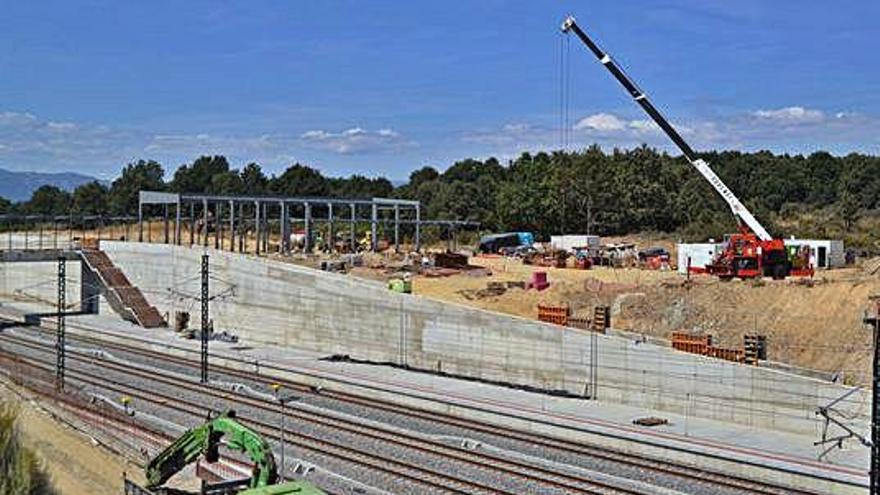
[(278, 303)]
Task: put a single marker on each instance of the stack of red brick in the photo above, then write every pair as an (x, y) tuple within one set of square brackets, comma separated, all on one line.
[(702, 345), (554, 314)]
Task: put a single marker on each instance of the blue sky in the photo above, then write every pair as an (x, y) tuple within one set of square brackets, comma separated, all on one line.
[(383, 87)]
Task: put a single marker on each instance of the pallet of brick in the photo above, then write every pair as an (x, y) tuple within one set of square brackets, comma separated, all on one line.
[(554, 314)]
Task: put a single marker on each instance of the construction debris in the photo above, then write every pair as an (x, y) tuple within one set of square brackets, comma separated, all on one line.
[(451, 260), (651, 421), (539, 281)]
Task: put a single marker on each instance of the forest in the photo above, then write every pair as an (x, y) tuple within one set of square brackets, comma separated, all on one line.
[(614, 192)]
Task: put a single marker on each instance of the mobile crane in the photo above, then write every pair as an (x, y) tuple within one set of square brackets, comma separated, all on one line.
[(750, 253), (206, 439)]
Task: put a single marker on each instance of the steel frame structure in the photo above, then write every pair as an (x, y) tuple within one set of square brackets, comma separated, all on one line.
[(227, 214)]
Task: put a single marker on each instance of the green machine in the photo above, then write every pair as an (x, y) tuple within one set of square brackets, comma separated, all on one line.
[(206, 440)]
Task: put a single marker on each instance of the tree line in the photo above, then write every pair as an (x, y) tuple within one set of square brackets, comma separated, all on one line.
[(587, 191)]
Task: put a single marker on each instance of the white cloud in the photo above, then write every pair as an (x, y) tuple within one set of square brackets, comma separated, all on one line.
[(791, 115), (644, 126), (28, 141), (796, 129), (61, 126), (602, 122), (17, 118), (518, 127), (388, 133), (353, 140)]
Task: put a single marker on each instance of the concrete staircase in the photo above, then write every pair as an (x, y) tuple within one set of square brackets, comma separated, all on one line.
[(123, 297)]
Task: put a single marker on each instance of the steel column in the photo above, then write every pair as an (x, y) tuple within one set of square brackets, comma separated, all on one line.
[(177, 239), (351, 227), (164, 222), (257, 226), (242, 236), (192, 223), (396, 228), (374, 229), (204, 228), (218, 230), (307, 245), (231, 225), (266, 230), (330, 233), (140, 222), (418, 239), (285, 229)]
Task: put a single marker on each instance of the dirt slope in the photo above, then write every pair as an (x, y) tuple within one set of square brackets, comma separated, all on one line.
[(77, 466), (818, 326)]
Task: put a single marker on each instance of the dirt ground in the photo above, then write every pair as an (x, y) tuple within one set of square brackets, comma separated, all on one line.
[(77, 466)]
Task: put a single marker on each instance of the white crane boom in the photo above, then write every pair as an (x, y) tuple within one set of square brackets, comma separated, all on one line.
[(739, 210)]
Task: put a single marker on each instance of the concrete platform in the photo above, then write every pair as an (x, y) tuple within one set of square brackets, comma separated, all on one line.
[(757, 453)]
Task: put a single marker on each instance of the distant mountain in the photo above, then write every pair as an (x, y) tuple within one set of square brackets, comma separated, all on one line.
[(18, 186)]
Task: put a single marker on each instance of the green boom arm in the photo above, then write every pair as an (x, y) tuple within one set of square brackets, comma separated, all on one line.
[(205, 439)]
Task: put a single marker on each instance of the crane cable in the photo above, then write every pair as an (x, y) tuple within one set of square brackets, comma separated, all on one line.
[(565, 92)]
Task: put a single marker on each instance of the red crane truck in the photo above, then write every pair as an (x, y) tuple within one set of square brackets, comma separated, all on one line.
[(752, 252)]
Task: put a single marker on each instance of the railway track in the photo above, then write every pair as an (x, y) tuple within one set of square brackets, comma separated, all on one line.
[(682, 471), (528, 473)]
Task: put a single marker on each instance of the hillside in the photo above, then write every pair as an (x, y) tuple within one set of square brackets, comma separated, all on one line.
[(18, 186)]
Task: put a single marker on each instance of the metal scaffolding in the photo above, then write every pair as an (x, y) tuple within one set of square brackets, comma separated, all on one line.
[(275, 215)]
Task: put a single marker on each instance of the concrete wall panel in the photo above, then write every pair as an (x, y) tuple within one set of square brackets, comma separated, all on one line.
[(277, 303)]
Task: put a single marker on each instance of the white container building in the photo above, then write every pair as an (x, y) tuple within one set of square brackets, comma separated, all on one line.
[(824, 253), (571, 242), (700, 254)]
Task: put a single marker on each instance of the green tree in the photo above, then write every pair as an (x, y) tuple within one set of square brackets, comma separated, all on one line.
[(91, 198), (254, 181), (299, 180), (229, 183), (48, 200), (135, 177), (358, 186), (198, 177)]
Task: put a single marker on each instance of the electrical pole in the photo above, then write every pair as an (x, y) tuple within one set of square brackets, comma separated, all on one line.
[(875, 408), (205, 319), (62, 303), (276, 389)]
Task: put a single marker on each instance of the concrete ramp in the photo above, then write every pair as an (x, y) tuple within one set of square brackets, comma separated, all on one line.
[(125, 299)]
